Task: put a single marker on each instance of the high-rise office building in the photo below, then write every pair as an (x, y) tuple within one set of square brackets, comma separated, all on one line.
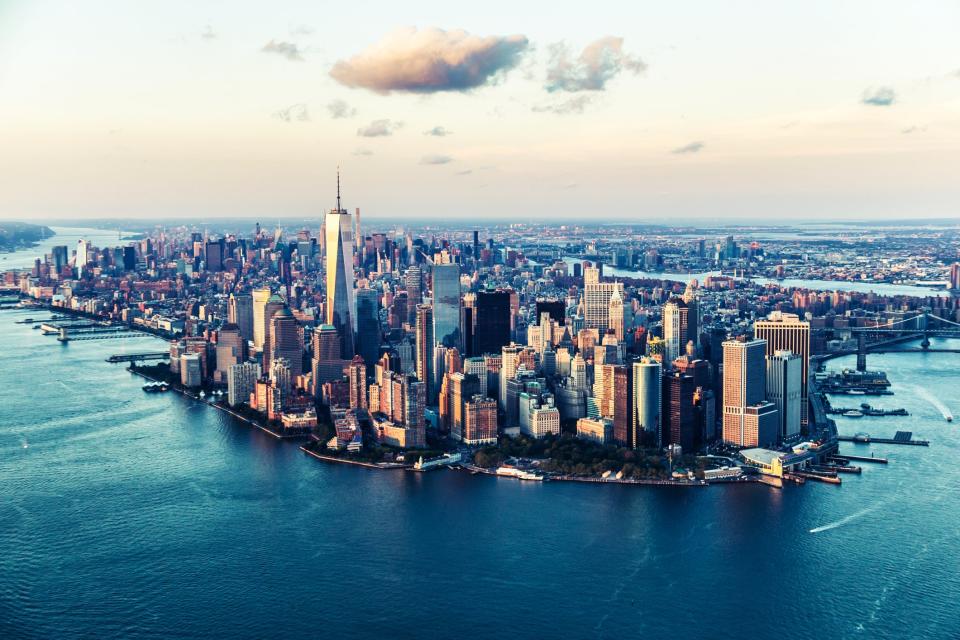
[(424, 348), (491, 322), (748, 419), (955, 276), (446, 304), (241, 380), (213, 255), (675, 324), (596, 300), (327, 364), (647, 389), (556, 308), (368, 326), (240, 313), (286, 341), (480, 421), (265, 313), (260, 328), (784, 389), (679, 417), (623, 409), (357, 374), (339, 304), (230, 351), (787, 332), (413, 283), (616, 319)]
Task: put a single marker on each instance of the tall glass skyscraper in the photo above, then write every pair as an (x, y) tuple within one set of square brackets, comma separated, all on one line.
[(446, 305), (368, 326), (340, 306)]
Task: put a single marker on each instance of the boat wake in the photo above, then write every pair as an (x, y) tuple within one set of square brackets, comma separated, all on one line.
[(846, 520), (932, 399)]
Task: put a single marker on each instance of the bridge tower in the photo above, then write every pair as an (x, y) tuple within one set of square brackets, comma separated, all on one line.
[(861, 352), (924, 325)]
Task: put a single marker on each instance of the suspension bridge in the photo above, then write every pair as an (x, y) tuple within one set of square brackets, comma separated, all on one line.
[(893, 335)]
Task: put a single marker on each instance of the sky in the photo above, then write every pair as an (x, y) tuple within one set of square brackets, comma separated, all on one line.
[(628, 110)]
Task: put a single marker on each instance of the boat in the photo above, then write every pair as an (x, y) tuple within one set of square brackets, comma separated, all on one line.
[(520, 474), (856, 392), (853, 413), (156, 387)]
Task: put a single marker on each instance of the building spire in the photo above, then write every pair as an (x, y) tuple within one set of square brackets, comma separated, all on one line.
[(338, 188)]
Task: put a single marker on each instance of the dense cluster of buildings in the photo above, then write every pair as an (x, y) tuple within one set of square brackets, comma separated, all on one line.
[(402, 337)]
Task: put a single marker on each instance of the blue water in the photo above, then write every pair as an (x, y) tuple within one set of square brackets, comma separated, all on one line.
[(130, 515)]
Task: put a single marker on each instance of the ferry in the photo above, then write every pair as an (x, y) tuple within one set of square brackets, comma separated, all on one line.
[(520, 474), (156, 387), (853, 413)]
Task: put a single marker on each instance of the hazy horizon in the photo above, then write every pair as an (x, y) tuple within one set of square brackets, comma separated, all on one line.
[(637, 112)]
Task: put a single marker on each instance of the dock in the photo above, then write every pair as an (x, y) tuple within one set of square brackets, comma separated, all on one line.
[(819, 477), (901, 437), (846, 459)]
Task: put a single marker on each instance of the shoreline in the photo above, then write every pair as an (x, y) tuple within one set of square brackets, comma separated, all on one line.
[(382, 466), (222, 408)]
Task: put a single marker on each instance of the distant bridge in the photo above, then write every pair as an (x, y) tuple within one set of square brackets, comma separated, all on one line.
[(887, 337)]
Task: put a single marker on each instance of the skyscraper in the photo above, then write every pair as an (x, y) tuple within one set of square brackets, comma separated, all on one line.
[(272, 305), (623, 410), (230, 351), (446, 304), (784, 389), (679, 418), (413, 283), (646, 392), (241, 380), (786, 332), (368, 326), (339, 303), (358, 383), (424, 347), (675, 323), (286, 341), (491, 322), (615, 315), (260, 297), (748, 419), (240, 313), (596, 300)]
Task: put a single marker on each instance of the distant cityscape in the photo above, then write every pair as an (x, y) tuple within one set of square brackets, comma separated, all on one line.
[(633, 354)]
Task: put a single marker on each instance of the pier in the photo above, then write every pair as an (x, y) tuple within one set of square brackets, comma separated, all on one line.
[(848, 458), (137, 357), (901, 437)]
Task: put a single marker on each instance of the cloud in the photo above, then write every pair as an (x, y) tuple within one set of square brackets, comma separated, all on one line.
[(879, 97), (465, 172), (379, 128), (570, 185), (430, 61), (288, 50), (575, 104), (693, 147), (302, 30), (436, 160), (599, 62), (293, 113), (438, 131), (363, 152), (340, 109), (914, 129), (208, 33)]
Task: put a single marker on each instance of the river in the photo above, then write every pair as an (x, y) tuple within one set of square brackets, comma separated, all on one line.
[(133, 515), (880, 288)]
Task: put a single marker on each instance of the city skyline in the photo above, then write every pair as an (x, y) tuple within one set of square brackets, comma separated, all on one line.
[(690, 111)]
